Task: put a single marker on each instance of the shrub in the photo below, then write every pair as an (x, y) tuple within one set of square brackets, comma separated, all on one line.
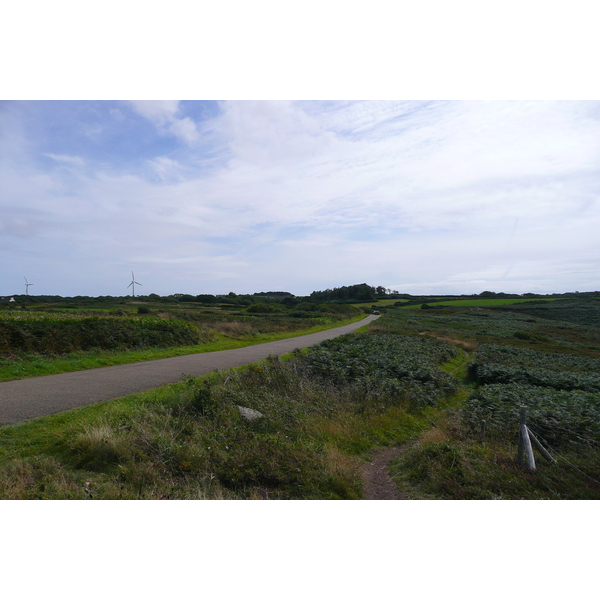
[(49, 334), (399, 366), (558, 416), (504, 364), (262, 307)]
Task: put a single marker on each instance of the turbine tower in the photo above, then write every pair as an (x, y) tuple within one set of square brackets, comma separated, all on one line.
[(27, 284), (133, 283)]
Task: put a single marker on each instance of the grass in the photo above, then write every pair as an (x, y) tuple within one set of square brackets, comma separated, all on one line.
[(36, 365), (324, 412), (483, 302), (461, 458), (448, 467), (378, 303), (189, 440)]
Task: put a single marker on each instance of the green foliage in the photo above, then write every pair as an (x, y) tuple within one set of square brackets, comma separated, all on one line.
[(504, 364), (560, 417), (549, 365), (360, 292), (82, 333), (329, 407), (585, 311), (201, 400), (402, 365), (494, 326), (41, 333), (459, 469), (189, 440), (561, 391), (262, 307)]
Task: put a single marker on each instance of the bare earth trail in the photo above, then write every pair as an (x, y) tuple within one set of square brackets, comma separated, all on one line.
[(378, 484), (40, 396)]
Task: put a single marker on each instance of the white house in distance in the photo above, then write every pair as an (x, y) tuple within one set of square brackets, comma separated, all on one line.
[(8, 299)]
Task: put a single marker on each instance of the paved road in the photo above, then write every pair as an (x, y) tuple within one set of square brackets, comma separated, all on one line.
[(39, 396)]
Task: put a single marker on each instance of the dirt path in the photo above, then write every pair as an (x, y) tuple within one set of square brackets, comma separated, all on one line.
[(378, 485), (40, 396)]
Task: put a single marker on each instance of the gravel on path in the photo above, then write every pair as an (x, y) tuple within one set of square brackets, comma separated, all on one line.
[(40, 396)]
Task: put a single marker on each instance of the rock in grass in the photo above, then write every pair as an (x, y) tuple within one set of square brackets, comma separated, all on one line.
[(249, 414)]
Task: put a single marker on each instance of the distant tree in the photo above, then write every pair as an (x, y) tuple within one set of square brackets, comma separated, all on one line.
[(290, 301), (360, 292), (262, 307), (186, 298), (274, 294), (310, 306)]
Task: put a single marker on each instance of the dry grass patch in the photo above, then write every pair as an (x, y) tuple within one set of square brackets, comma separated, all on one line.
[(466, 345), (435, 434)]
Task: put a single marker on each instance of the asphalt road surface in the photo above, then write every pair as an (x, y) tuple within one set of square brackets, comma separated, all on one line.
[(40, 396)]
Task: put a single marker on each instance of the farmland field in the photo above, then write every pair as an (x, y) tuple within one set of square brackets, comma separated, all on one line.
[(449, 380), (484, 302), (520, 355)]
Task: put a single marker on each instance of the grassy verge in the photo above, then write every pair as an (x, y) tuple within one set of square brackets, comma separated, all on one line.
[(191, 439), (448, 464), (37, 365)]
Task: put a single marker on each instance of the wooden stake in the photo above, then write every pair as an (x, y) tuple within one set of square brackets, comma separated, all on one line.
[(528, 448), (541, 448), (521, 425)]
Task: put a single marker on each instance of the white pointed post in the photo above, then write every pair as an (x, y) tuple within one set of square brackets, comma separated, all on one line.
[(525, 441)]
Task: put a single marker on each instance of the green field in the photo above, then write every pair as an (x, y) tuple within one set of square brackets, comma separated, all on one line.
[(378, 303), (450, 380), (484, 302), (543, 356)]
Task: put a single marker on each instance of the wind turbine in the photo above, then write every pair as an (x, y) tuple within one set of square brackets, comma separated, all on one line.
[(27, 284), (133, 282)]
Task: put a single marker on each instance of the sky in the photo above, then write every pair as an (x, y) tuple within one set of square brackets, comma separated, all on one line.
[(424, 197)]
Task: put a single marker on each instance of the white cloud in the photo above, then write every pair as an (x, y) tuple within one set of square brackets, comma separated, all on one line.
[(74, 161), (269, 133), (166, 168), (424, 197), (165, 115)]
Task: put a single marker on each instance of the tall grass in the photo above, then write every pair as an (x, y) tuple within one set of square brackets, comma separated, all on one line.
[(190, 440)]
